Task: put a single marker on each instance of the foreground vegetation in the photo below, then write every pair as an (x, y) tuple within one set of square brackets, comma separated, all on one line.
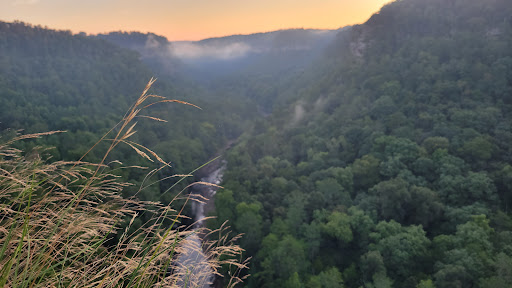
[(66, 224)]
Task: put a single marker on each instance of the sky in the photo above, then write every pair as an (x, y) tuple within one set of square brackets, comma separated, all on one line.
[(188, 19)]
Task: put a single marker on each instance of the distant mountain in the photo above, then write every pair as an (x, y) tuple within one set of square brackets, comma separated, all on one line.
[(236, 46), (269, 52), (261, 53), (135, 40), (55, 74), (259, 68), (154, 50)]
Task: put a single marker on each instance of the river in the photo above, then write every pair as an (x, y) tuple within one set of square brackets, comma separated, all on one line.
[(191, 262), (206, 201)]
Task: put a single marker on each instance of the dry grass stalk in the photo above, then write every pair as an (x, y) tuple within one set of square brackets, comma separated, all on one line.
[(56, 219)]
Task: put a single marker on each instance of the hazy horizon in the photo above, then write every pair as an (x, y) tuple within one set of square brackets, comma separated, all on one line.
[(188, 21)]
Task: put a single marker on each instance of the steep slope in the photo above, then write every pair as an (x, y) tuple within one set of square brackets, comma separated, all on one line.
[(154, 51), (393, 168), (264, 67), (54, 80), (270, 52), (256, 68)]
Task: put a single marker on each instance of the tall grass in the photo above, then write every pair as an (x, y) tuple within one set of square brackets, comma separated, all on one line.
[(57, 218)]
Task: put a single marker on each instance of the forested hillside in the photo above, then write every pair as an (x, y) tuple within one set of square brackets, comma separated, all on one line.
[(54, 80), (258, 69), (104, 221), (393, 166)]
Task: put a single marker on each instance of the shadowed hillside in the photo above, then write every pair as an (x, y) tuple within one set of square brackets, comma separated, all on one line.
[(391, 168)]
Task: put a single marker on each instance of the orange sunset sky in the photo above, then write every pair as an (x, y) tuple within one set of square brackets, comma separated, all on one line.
[(188, 19)]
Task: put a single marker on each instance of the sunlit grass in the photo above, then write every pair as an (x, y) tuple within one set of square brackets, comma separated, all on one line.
[(57, 218)]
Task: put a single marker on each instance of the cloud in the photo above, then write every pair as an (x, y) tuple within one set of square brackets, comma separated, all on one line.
[(298, 113), (151, 42), (192, 51), (25, 2)]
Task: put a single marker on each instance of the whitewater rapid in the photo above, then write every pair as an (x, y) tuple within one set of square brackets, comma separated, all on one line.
[(191, 264)]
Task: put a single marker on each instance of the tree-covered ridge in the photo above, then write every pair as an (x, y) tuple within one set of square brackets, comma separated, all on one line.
[(392, 169), (54, 80), (257, 68)]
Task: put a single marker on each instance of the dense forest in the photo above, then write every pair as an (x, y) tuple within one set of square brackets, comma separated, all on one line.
[(378, 155), (392, 168), (53, 80)]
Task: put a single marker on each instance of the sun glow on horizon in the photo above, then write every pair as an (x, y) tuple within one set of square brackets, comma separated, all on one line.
[(189, 20)]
